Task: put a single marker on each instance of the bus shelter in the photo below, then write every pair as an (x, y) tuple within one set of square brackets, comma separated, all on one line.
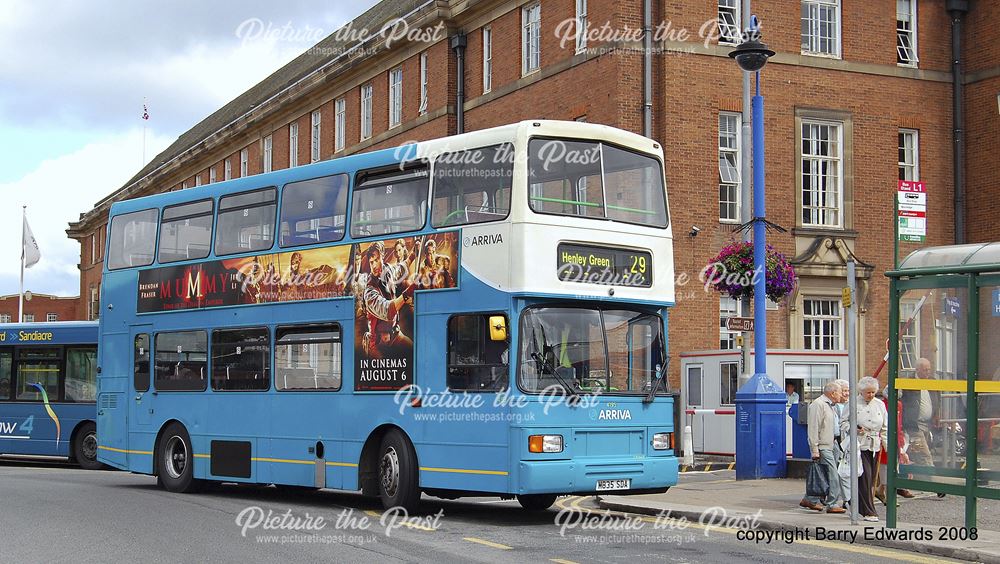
[(944, 375)]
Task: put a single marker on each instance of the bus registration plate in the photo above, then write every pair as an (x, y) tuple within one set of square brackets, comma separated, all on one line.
[(607, 485)]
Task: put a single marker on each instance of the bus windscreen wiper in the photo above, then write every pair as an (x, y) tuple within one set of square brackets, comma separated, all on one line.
[(660, 376), (548, 368)]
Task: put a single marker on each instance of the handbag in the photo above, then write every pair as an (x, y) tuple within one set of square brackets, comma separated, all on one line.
[(817, 481), (844, 468)]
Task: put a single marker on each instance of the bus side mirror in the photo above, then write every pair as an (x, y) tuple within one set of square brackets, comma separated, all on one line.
[(498, 328)]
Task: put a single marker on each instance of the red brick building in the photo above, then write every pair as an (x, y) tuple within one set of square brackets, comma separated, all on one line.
[(41, 307), (861, 98)]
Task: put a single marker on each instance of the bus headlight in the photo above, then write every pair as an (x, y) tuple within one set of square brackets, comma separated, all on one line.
[(663, 441), (545, 443)]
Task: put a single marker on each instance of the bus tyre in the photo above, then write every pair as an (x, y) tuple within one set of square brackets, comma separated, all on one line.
[(175, 461), (398, 482), (536, 502), (85, 447)]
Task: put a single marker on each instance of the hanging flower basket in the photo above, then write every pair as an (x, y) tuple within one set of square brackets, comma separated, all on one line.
[(731, 272)]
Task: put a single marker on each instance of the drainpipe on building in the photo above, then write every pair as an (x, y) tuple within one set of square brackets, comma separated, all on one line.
[(957, 10), (647, 68), (458, 43)]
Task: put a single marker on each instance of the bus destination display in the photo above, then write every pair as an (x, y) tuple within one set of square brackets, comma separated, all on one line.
[(601, 265)]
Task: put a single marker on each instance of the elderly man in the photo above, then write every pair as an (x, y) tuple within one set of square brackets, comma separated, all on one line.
[(822, 425), (920, 413)]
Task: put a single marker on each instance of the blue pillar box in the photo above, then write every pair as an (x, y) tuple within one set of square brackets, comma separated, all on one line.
[(760, 430)]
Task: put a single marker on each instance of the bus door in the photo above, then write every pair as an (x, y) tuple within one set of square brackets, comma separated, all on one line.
[(466, 354), (141, 410), (112, 398), (37, 372)]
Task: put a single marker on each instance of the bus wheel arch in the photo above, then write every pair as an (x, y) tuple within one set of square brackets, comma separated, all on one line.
[(83, 445), (174, 441), (388, 451)]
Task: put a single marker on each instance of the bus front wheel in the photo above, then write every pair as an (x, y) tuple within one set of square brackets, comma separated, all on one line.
[(85, 447), (176, 461), (398, 482), (536, 502)]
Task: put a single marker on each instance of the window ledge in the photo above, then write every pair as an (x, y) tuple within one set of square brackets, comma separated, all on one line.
[(833, 56), (806, 231)]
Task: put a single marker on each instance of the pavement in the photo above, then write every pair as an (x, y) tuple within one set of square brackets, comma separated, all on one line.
[(762, 506)]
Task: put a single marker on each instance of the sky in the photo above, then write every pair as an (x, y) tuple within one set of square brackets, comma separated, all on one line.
[(75, 76)]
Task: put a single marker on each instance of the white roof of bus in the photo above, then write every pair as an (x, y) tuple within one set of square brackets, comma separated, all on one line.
[(541, 128)]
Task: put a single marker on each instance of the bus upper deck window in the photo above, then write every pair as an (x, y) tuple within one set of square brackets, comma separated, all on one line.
[(313, 211), (390, 201), (186, 231), (133, 239), (597, 180), (472, 186), (246, 222)]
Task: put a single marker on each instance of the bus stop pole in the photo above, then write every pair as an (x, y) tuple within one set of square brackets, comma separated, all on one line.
[(852, 359)]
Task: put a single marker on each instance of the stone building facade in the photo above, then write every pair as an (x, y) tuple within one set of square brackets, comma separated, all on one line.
[(859, 95)]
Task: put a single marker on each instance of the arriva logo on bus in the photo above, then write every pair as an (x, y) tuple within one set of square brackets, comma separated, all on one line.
[(612, 415)]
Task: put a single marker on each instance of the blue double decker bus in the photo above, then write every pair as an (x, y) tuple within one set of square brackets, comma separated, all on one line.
[(48, 387), (483, 314)]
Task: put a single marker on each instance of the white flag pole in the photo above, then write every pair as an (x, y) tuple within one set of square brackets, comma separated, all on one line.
[(20, 295)]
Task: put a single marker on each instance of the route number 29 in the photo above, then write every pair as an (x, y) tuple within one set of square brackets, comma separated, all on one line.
[(638, 264)]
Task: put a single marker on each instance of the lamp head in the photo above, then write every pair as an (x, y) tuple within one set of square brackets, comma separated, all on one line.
[(751, 55)]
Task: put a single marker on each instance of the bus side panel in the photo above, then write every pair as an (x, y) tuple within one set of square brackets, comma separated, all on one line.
[(27, 428), (300, 425)]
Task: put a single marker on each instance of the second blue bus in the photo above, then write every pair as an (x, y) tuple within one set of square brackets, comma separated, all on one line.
[(48, 387)]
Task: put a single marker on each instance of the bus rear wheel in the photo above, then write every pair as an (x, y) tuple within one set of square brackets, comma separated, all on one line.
[(536, 502), (398, 482), (175, 467), (85, 447)]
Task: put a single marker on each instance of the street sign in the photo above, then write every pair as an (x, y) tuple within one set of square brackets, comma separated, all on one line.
[(845, 297), (911, 217), (996, 303), (952, 307), (739, 324)]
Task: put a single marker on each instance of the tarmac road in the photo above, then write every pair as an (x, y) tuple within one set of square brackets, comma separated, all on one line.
[(58, 513)]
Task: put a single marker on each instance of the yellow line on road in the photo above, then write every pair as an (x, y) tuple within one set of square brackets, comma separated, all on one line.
[(561, 561), (488, 543), (404, 523)]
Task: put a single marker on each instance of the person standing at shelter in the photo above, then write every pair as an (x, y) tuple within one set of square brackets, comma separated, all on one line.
[(822, 424), (872, 433), (920, 414), (883, 460)]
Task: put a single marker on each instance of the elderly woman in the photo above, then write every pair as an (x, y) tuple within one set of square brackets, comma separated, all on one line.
[(872, 434)]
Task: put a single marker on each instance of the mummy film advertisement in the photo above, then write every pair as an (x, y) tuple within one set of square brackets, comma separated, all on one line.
[(382, 277)]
